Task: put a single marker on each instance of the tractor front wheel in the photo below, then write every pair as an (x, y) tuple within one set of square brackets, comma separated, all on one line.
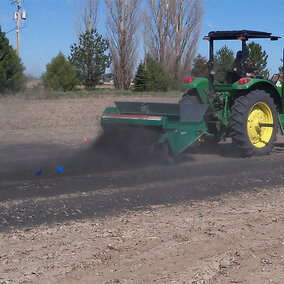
[(253, 123)]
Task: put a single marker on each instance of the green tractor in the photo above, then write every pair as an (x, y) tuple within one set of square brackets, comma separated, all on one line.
[(249, 109)]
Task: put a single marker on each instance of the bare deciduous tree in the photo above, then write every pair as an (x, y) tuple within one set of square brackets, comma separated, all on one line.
[(86, 17), (122, 25), (186, 30), (172, 31), (158, 29)]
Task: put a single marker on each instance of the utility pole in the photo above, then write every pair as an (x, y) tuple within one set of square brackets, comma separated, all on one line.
[(18, 16), (18, 25)]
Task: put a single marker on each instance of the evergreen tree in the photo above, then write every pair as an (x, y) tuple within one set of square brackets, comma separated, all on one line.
[(12, 77), (257, 57), (60, 75), (141, 78), (89, 57), (151, 76), (200, 67), (224, 59), (159, 79)]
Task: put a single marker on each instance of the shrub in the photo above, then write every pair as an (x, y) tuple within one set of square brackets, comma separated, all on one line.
[(151, 76), (60, 75)]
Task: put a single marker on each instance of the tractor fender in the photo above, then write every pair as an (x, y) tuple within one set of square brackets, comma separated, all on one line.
[(200, 84), (260, 84)]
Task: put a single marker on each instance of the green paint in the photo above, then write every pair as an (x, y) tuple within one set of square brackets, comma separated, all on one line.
[(183, 135), (179, 135), (202, 87), (281, 123)]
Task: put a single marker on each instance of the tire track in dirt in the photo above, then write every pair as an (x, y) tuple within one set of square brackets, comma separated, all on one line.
[(34, 202)]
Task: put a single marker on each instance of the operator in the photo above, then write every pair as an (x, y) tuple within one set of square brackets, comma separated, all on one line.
[(237, 64)]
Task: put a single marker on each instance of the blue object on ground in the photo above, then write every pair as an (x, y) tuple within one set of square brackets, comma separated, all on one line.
[(60, 169), (38, 173)]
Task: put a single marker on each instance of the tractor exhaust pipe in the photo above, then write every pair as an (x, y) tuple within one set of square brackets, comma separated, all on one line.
[(211, 67)]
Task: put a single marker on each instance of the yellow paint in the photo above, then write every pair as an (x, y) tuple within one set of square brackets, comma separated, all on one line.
[(260, 135)]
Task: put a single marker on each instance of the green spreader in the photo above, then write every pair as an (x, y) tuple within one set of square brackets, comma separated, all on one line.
[(179, 125)]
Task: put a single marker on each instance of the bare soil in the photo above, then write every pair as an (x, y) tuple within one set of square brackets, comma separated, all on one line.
[(213, 218)]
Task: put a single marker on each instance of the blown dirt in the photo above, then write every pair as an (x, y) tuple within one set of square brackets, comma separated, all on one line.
[(212, 218)]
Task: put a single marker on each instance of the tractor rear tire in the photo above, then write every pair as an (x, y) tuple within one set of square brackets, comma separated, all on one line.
[(191, 97), (253, 123)]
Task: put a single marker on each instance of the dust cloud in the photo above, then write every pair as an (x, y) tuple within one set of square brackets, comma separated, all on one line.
[(118, 148)]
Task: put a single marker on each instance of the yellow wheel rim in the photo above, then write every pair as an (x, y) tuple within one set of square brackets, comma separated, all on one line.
[(260, 135)]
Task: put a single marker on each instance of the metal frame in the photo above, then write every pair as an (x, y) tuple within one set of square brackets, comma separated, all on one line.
[(242, 35)]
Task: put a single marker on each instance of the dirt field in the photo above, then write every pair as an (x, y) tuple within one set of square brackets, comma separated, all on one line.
[(213, 218)]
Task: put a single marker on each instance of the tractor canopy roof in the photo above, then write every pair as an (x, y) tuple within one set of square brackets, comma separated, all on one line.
[(243, 35)]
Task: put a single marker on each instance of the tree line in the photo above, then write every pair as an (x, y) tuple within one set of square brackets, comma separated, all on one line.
[(166, 30), (169, 30)]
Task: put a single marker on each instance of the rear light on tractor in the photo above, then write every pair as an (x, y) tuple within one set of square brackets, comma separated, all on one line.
[(188, 80), (244, 81)]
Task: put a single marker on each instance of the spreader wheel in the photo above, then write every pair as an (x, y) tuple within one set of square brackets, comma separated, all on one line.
[(253, 123)]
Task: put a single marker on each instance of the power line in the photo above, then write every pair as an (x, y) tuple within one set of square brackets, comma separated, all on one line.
[(10, 30), (35, 50), (38, 34)]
